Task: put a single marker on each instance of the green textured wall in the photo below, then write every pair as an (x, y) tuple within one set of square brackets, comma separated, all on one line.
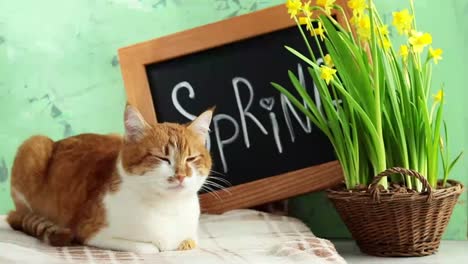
[(59, 72)]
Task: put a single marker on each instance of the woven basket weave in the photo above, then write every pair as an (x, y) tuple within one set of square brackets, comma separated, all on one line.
[(397, 224)]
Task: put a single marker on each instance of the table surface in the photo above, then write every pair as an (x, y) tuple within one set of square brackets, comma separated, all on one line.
[(449, 252)]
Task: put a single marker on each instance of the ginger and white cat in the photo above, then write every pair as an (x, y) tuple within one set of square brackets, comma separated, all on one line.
[(133, 193)]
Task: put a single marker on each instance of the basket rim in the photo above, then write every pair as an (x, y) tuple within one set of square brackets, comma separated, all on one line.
[(338, 192)]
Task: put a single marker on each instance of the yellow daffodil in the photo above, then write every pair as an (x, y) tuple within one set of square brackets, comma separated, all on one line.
[(306, 9), (306, 21), (402, 21), (328, 61), (353, 20), (364, 27), (326, 4), (307, 18), (419, 40), (358, 6), (327, 73), (384, 30), (404, 52), (439, 96), (319, 31), (303, 20), (385, 43), (435, 54), (294, 6)]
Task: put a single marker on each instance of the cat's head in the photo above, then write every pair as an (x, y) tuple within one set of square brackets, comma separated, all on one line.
[(168, 158)]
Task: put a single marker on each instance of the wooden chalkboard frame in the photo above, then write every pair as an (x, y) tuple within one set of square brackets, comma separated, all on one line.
[(133, 61)]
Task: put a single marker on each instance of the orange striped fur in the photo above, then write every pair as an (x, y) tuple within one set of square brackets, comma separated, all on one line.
[(38, 226), (58, 186)]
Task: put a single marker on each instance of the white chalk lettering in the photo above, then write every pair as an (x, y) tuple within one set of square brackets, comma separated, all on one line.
[(244, 111), (175, 101), (222, 142), (180, 109), (275, 127), (268, 103), (288, 108), (318, 102), (244, 96)]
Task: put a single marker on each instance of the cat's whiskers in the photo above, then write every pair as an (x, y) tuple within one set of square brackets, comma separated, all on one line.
[(216, 185), (211, 191), (220, 179), (217, 172)]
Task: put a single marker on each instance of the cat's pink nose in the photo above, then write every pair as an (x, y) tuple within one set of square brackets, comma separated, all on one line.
[(180, 178)]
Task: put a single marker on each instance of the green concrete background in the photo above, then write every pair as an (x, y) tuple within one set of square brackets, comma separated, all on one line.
[(60, 76)]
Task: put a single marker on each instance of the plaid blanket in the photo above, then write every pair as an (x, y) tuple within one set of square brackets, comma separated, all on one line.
[(239, 236)]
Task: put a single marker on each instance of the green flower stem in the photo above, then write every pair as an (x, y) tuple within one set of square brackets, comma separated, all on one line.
[(383, 119)]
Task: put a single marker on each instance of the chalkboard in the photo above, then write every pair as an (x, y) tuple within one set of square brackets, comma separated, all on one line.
[(256, 132), (260, 143)]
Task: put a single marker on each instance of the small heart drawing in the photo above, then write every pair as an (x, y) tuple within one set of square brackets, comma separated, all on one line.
[(267, 103)]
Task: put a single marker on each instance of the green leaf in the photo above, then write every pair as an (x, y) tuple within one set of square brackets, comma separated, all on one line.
[(305, 95), (300, 56), (454, 162)]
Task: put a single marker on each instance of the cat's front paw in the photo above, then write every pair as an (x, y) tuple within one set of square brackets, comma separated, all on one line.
[(187, 244)]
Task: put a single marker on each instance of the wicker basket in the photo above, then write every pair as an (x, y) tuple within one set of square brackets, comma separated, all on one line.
[(397, 224)]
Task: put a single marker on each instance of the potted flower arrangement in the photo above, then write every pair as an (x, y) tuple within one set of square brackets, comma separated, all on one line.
[(379, 115)]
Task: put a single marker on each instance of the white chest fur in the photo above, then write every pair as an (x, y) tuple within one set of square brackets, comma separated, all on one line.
[(137, 215)]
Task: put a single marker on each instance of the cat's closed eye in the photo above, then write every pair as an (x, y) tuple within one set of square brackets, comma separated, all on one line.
[(162, 159), (193, 158)]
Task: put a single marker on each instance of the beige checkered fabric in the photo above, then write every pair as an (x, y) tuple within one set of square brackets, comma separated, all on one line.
[(239, 236)]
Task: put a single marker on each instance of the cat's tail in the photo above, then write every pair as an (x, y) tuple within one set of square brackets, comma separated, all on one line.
[(41, 228), (29, 174)]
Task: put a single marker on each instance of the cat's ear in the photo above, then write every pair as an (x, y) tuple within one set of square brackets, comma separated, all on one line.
[(201, 124), (134, 123)]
